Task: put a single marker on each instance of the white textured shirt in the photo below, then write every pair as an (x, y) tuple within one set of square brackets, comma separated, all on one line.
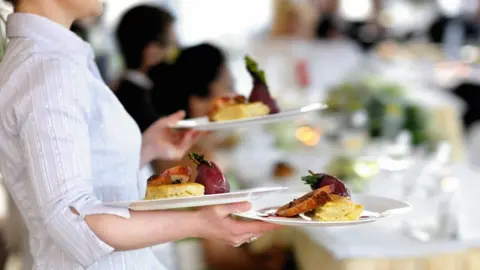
[(65, 141)]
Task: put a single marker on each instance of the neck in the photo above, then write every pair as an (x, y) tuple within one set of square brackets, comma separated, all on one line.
[(46, 9)]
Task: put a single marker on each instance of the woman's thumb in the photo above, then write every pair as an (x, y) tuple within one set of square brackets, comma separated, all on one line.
[(175, 117)]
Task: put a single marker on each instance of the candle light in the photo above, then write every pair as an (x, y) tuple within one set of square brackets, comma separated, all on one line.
[(308, 135)]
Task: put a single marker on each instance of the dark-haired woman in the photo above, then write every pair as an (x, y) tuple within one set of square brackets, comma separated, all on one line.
[(199, 74), (67, 145)]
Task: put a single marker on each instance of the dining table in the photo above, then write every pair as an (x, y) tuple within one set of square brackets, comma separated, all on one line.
[(372, 246)]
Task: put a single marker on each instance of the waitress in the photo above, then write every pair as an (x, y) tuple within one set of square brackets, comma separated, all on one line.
[(67, 144)]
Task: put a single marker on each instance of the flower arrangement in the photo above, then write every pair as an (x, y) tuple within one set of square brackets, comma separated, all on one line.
[(388, 109)]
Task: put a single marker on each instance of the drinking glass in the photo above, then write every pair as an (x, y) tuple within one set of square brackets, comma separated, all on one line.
[(432, 195)]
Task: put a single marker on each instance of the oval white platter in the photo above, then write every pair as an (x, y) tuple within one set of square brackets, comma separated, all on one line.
[(375, 208)]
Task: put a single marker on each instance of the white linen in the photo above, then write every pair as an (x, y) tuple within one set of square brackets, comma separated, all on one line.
[(66, 141)]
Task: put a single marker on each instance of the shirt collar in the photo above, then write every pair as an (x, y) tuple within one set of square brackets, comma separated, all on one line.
[(138, 78), (52, 36)]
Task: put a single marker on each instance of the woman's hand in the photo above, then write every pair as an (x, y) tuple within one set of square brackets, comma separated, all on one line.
[(161, 142), (216, 223)]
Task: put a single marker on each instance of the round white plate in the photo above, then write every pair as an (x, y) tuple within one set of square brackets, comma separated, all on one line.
[(185, 202), (375, 208), (203, 123)]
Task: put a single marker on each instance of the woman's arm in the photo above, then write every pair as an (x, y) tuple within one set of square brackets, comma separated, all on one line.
[(144, 228), (51, 121)]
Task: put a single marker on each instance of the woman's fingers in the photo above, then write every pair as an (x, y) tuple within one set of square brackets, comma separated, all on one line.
[(241, 227), (226, 210), (218, 224)]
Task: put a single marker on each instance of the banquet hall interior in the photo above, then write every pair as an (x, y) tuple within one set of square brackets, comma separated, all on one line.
[(400, 79)]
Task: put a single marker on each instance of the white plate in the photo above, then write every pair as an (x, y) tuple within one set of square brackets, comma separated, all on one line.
[(215, 199), (375, 208), (203, 123)]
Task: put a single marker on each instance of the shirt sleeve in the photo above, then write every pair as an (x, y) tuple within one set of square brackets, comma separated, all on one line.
[(52, 117)]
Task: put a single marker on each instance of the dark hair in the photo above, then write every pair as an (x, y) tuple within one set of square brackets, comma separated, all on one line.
[(191, 75), (79, 30), (325, 25), (140, 26)]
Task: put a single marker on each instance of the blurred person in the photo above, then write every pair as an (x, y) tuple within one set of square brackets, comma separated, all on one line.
[(67, 145), (145, 37), (80, 30), (328, 25), (200, 74), (293, 19), (367, 32), (456, 22), (364, 30)]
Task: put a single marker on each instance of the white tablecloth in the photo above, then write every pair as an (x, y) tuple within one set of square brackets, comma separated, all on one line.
[(379, 240)]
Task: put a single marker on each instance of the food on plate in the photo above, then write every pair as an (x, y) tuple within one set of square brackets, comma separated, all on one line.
[(329, 201), (318, 180), (173, 182), (260, 91), (338, 208), (306, 203), (174, 175), (174, 191), (234, 108), (283, 169), (209, 175)]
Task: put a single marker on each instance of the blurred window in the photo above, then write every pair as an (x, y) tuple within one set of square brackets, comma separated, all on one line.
[(356, 10), (216, 20)]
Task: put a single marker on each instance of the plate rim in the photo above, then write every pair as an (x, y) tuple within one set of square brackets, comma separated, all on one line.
[(394, 212), (289, 112), (209, 196)]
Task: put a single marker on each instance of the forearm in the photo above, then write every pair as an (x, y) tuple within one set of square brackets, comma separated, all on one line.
[(144, 228)]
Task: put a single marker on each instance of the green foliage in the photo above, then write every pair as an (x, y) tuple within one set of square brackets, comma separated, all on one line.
[(388, 109)]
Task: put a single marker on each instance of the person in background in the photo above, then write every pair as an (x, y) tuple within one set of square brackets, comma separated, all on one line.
[(145, 37), (200, 74), (293, 19), (80, 30), (366, 32), (328, 24), (451, 31)]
